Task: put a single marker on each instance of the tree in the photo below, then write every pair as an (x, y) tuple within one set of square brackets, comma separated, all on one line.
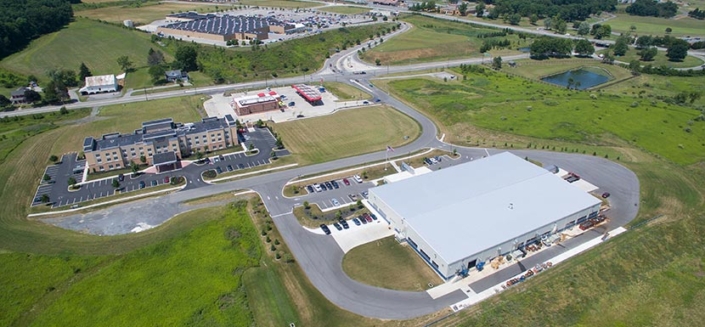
[(359, 204), (134, 167), (463, 8), (669, 30), (514, 19), (155, 58), (44, 198), (273, 155), (83, 72), (124, 63), (143, 159), (199, 155), (621, 46), (533, 19), (116, 183), (63, 111), (47, 177), (50, 94), (497, 63), (71, 181), (157, 73), (677, 50), (494, 13), (584, 48), (632, 28), (584, 28), (608, 58), (64, 77), (32, 96), (4, 101), (634, 66), (186, 58), (53, 158), (480, 9), (648, 54), (644, 41), (559, 25), (548, 23), (279, 144), (378, 62), (307, 205)]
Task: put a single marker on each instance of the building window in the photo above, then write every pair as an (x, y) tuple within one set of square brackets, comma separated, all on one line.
[(101, 168), (107, 159), (110, 167), (99, 160), (117, 166), (114, 152), (115, 158)]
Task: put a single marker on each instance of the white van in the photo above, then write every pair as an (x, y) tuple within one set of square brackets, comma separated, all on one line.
[(357, 178)]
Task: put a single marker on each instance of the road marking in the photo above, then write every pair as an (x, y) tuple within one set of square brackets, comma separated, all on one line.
[(268, 198), (488, 153)]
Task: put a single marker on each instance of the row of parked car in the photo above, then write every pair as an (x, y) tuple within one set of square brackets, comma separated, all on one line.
[(330, 185), (341, 224), (432, 160)]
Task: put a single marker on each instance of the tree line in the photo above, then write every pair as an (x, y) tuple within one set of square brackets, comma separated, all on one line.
[(697, 14), (652, 8), (24, 20), (545, 47), (569, 10)]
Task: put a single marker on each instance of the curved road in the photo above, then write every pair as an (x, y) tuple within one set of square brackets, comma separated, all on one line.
[(321, 258)]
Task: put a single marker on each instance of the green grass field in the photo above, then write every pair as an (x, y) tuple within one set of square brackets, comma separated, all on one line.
[(657, 26), (659, 60), (345, 10), (90, 42), (517, 106), (356, 131), (379, 263), (433, 40), (345, 92)]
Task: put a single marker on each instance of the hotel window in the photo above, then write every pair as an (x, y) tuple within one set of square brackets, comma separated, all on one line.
[(99, 160), (101, 168), (107, 159), (114, 152), (110, 167)]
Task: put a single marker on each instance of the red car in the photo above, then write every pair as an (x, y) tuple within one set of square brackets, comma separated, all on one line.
[(166, 180), (346, 181), (367, 217)]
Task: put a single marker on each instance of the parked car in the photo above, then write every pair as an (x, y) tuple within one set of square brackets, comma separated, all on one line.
[(362, 219), (427, 161), (166, 179), (335, 202), (364, 194), (219, 170), (365, 102), (343, 223), (374, 217), (230, 168), (240, 166), (605, 195), (337, 226), (356, 221), (309, 188), (154, 182), (329, 185), (325, 229), (335, 184), (317, 187), (357, 178), (142, 185), (367, 217), (346, 182), (121, 177), (323, 187)]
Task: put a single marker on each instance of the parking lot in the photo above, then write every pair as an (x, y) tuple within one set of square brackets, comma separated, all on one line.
[(59, 175), (220, 105), (262, 139)]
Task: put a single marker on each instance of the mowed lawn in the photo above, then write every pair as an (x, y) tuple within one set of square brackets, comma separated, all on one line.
[(434, 39), (125, 118), (193, 279), (659, 60), (95, 44), (146, 13), (346, 133), (345, 10), (657, 26), (345, 92), (517, 106), (386, 263)]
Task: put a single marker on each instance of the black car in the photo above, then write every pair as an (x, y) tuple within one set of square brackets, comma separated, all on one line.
[(356, 221), (142, 185), (329, 185), (230, 168), (337, 226), (325, 229), (240, 166), (323, 187), (121, 177), (344, 223), (362, 219), (309, 188), (219, 170), (335, 184), (373, 216), (154, 183)]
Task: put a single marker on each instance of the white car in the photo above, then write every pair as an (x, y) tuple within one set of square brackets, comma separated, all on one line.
[(335, 202), (357, 178)]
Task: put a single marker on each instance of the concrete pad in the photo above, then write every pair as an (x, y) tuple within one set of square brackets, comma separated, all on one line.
[(446, 288), (585, 185), (359, 235)]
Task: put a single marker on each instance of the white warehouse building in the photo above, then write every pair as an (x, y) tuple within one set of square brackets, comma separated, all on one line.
[(99, 84), (459, 216)]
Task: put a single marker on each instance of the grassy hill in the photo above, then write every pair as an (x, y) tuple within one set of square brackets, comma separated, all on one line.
[(96, 44)]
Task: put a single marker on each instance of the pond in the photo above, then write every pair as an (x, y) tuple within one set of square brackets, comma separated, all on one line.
[(584, 77)]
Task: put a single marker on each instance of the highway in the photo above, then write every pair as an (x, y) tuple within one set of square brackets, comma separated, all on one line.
[(318, 255)]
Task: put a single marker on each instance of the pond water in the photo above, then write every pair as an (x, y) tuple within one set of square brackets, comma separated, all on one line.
[(586, 78)]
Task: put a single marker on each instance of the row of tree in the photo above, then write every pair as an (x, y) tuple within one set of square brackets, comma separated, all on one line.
[(545, 47), (697, 14), (569, 10), (24, 20), (653, 8)]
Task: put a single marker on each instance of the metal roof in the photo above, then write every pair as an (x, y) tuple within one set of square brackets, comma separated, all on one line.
[(101, 80), (469, 208)]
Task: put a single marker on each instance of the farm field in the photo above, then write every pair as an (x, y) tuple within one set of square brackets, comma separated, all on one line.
[(356, 131), (434, 39), (280, 3), (379, 263), (86, 41), (147, 13), (659, 60), (345, 10), (657, 26), (514, 105)]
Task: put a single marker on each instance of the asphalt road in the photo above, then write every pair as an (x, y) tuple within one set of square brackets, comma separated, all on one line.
[(321, 258)]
